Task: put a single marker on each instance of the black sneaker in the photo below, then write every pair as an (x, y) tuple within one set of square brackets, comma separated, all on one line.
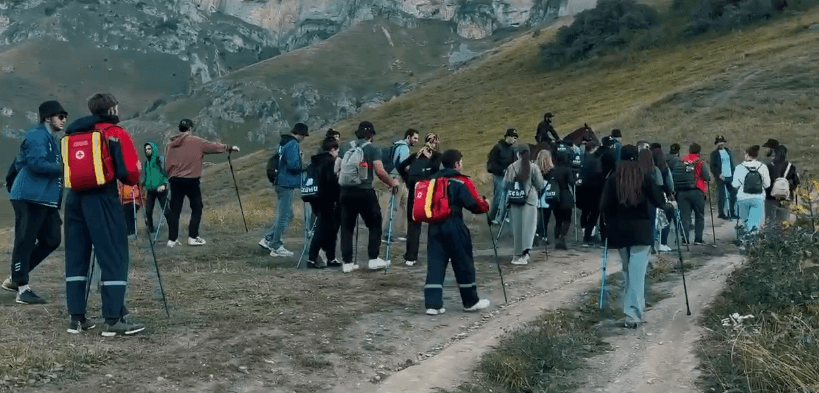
[(75, 327), (699, 243), (9, 285), (334, 263), (123, 327), (29, 297), (316, 265)]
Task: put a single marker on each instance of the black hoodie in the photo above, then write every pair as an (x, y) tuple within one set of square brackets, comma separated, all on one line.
[(324, 164)]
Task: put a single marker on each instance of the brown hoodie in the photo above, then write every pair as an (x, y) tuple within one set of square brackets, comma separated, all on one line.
[(184, 154)]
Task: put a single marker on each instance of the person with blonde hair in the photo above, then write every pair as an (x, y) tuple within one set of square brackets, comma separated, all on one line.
[(523, 182)]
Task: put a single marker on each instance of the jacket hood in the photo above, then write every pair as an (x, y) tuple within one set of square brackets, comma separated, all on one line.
[(286, 139), (154, 149), (88, 122), (178, 139)]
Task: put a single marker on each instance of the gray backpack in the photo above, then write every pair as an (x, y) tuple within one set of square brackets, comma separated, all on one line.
[(352, 173)]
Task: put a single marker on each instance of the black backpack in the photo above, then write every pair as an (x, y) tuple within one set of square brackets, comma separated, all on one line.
[(684, 175), (388, 157), (310, 190), (273, 166), (753, 181), (551, 193)]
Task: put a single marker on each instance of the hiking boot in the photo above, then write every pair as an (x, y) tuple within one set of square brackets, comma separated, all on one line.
[(316, 265), (172, 243), (349, 267), (29, 297), (410, 263), (377, 263), (9, 285), (664, 248), (265, 244), (480, 305), (123, 327), (281, 252), (75, 327), (433, 311), (560, 243), (198, 241), (334, 263)]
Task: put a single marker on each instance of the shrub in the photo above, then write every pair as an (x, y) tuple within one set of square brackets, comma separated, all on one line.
[(612, 24)]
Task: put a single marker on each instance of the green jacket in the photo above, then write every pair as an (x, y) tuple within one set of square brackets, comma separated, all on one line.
[(153, 171)]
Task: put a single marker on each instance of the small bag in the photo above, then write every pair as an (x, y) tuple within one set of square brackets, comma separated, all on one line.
[(516, 193), (781, 188)]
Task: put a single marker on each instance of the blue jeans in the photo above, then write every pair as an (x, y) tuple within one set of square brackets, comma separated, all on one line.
[(284, 214), (751, 213), (498, 209), (635, 262)]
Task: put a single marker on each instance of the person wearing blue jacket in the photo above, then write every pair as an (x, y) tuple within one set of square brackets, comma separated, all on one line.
[(36, 195), (289, 179)]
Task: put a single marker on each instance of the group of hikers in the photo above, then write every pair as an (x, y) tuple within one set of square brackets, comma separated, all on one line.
[(627, 196)]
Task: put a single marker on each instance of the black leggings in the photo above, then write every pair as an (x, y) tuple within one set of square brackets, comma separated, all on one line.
[(181, 188)]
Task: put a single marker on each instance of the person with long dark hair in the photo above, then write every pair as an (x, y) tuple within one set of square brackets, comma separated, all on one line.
[(523, 215), (628, 197), (417, 167)]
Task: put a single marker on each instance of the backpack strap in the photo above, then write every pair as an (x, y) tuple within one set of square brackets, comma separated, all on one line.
[(787, 169)]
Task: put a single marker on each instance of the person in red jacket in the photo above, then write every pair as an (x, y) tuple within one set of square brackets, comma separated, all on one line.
[(93, 218)]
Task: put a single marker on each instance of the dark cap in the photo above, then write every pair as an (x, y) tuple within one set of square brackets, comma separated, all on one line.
[(616, 133), (511, 132), (548, 115), (187, 124), (300, 129), (629, 153), (771, 143), (51, 108), (720, 139), (366, 126)]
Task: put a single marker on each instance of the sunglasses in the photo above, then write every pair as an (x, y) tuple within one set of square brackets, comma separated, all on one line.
[(62, 117)]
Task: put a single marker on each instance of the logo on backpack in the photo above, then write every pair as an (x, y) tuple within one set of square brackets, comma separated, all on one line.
[(87, 160), (431, 201), (310, 187), (516, 195), (352, 172), (753, 181)]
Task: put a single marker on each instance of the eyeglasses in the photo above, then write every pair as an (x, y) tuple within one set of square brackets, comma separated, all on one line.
[(62, 117)]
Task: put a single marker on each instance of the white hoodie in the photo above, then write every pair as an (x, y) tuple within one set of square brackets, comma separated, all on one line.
[(739, 178)]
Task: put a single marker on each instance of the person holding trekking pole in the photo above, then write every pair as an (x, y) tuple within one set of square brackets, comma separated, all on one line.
[(450, 240), (628, 196), (691, 177), (155, 183), (392, 157), (184, 156)]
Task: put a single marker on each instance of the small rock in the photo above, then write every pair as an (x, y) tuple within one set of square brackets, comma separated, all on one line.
[(160, 379), (109, 375), (814, 27)]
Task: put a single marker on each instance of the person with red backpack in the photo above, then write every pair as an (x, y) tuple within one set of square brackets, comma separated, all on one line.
[(691, 179), (751, 179), (35, 185), (450, 240), (96, 153)]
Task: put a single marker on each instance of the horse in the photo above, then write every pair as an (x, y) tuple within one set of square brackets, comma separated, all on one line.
[(573, 138)]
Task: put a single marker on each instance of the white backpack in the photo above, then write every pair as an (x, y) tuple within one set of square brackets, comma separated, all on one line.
[(781, 188), (351, 173)]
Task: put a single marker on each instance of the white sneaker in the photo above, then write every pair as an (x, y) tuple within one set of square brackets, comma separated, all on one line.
[(480, 305), (323, 256), (281, 252), (378, 263), (264, 244), (525, 258), (348, 267), (664, 248), (519, 260), (172, 243), (432, 311), (410, 263), (196, 242)]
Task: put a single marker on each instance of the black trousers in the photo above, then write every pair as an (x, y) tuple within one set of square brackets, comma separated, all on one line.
[(94, 218), (181, 188), (359, 202), (413, 233), (130, 217), (589, 209), (450, 241), (36, 236), (328, 217), (150, 201), (692, 201)]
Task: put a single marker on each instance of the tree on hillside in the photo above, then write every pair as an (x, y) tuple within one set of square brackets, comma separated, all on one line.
[(611, 24)]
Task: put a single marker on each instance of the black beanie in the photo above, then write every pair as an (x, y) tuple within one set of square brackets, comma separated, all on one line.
[(50, 108)]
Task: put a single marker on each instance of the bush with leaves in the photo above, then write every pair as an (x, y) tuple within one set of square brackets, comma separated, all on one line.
[(611, 24)]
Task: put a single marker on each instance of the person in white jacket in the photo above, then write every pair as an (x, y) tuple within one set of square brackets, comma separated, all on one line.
[(751, 179)]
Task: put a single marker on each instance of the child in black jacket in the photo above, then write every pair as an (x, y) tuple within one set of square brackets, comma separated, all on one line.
[(451, 241)]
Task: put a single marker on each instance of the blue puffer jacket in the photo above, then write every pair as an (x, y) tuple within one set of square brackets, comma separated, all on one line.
[(40, 169), (290, 168)]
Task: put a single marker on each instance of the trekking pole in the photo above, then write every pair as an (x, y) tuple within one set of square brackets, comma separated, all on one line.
[(682, 268), (90, 276), (711, 205), (574, 211), (236, 185), (545, 233), (136, 222), (603, 271), (162, 216), (681, 227), (156, 265), (503, 220), (355, 246), (389, 233), (497, 261), (309, 240)]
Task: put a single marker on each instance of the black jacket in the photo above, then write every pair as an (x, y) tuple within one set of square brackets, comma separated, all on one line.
[(608, 160), (500, 157), (630, 225), (562, 174), (324, 164), (591, 173), (546, 133), (716, 162)]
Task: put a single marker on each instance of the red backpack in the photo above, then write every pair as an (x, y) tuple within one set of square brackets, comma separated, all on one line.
[(431, 201), (87, 160)]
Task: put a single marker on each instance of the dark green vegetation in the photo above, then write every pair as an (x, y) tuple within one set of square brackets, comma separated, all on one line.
[(763, 333)]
